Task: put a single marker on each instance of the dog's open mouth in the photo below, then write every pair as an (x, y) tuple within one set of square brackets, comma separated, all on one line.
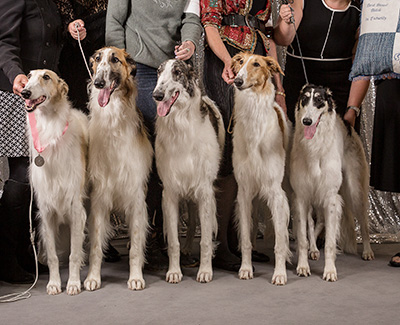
[(309, 130), (164, 107), (105, 94), (32, 104)]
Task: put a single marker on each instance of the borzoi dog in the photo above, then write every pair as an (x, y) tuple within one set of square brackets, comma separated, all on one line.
[(120, 158), (328, 170), (260, 141), (58, 146), (189, 140)]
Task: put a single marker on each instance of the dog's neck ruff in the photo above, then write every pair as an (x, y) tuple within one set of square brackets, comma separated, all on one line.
[(35, 134)]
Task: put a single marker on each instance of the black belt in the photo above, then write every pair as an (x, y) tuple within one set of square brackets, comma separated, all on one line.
[(248, 20)]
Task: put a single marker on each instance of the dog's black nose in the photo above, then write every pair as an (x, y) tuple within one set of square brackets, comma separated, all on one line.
[(307, 121), (99, 83), (158, 96), (26, 93), (238, 82)]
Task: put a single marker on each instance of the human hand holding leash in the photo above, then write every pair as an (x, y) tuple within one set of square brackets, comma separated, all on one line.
[(76, 26), (19, 83), (286, 13), (184, 51)]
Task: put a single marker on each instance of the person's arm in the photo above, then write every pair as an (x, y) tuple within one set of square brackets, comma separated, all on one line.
[(190, 32), (284, 31), (117, 14), (11, 15), (358, 91)]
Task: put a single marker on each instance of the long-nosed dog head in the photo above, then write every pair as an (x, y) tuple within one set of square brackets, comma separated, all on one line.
[(44, 86), (112, 69), (313, 102), (254, 71), (176, 83)]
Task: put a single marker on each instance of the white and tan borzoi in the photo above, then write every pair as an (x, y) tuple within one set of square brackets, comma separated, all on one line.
[(189, 140), (328, 173), (58, 146), (120, 158), (260, 141)]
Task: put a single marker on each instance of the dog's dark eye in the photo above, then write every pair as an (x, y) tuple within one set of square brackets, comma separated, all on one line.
[(97, 58), (114, 59), (256, 64), (29, 76), (176, 72), (46, 77), (241, 61)]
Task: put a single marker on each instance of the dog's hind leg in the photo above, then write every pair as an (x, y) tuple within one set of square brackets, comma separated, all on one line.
[(138, 226), (192, 213), (170, 206), (49, 233), (209, 228), (279, 206), (333, 212), (78, 221), (302, 214), (98, 230), (314, 229), (244, 218)]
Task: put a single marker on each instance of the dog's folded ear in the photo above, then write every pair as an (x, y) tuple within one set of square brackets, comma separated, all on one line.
[(62, 87), (237, 62), (131, 62), (273, 64)]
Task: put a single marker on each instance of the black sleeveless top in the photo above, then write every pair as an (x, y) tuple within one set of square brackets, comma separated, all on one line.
[(320, 40)]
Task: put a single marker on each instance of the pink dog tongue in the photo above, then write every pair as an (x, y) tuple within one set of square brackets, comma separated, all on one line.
[(104, 96), (164, 107), (309, 131)]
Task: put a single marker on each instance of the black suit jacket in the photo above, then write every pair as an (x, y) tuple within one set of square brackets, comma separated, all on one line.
[(30, 38)]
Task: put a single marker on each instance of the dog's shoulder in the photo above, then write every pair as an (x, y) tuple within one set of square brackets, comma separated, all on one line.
[(210, 109)]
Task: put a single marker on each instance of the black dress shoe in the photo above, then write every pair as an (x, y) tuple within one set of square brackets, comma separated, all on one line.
[(16, 275)]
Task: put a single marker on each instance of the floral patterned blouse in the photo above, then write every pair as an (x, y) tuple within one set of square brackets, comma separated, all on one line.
[(241, 37), (68, 8)]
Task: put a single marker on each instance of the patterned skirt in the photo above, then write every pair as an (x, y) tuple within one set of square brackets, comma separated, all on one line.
[(13, 138)]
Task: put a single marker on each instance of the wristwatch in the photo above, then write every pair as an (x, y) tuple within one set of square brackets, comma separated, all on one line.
[(356, 109)]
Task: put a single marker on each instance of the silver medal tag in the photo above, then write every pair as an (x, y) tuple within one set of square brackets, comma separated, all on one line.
[(39, 161)]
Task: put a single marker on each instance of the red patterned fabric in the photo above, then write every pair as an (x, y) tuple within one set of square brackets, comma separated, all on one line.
[(241, 37)]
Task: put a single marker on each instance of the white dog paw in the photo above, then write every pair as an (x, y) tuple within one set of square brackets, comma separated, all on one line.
[(368, 255), (303, 271), (174, 277), (314, 255), (73, 288), (136, 284), (92, 284), (204, 276), (53, 288), (279, 279), (330, 275), (245, 273)]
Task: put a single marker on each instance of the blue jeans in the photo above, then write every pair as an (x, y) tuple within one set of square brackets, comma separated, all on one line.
[(146, 81)]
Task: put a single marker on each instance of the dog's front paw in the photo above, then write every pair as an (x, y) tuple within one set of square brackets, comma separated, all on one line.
[(245, 273), (330, 275), (92, 284), (136, 284), (73, 287), (303, 270), (204, 276), (174, 276), (53, 288), (368, 255), (314, 255), (279, 279)]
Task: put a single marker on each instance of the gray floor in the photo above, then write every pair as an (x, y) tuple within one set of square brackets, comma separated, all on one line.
[(366, 293)]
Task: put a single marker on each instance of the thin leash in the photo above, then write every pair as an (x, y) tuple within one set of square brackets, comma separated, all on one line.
[(83, 54), (292, 21)]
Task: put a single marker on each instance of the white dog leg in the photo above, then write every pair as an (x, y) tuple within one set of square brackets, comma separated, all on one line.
[(313, 234), (170, 204), (243, 213), (98, 221), (138, 233), (76, 256), (333, 212), (279, 207), (303, 211), (209, 226), (49, 235)]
